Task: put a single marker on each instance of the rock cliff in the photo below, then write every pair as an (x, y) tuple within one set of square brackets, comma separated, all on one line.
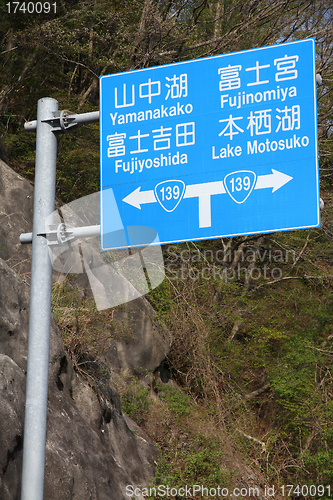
[(93, 450)]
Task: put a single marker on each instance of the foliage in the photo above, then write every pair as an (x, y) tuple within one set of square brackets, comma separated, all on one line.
[(135, 401), (259, 350), (200, 464), (176, 400), (187, 454)]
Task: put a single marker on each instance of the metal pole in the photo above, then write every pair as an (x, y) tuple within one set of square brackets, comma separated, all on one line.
[(40, 307)]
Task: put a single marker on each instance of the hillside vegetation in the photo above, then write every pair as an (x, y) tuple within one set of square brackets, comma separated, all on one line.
[(251, 317)]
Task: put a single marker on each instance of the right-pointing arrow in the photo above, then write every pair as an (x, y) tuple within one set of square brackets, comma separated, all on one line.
[(275, 180)]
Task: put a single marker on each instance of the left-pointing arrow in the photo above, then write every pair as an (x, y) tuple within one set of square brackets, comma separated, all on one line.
[(137, 198)]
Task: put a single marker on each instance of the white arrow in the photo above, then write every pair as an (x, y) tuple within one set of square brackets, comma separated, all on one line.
[(137, 198), (202, 191), (205, 190), (274, 180)]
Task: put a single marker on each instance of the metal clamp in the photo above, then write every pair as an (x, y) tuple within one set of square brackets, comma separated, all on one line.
[(65, 120), (60, 234)]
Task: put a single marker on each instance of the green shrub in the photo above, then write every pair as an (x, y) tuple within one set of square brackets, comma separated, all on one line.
[(135, 401), (177, 400)]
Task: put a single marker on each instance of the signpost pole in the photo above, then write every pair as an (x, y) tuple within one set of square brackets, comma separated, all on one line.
[(40, 306), (49, 122)]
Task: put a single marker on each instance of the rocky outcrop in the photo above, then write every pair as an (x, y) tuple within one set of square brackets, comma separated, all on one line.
[(141, 348), (93, 451), (16, 210)]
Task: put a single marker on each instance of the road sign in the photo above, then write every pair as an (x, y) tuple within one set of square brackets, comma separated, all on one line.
[(214, 147)]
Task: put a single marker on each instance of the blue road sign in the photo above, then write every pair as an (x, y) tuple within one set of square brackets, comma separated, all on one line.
[(214, 147)]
